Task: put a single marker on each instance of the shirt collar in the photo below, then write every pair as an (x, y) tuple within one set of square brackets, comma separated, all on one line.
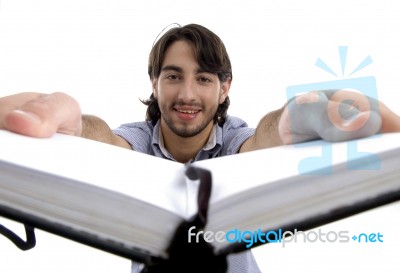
[(214, 141)]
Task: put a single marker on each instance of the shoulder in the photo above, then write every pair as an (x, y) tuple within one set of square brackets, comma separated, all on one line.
[(234, 133), (232, 122), (138, 134)]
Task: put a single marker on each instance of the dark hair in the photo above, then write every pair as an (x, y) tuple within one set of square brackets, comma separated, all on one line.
[(210, 53)]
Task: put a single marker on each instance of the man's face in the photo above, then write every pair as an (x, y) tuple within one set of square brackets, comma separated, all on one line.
[(188, 97)]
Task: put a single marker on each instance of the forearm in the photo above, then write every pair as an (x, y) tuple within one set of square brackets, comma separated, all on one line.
[(97, 129), (267, 133)]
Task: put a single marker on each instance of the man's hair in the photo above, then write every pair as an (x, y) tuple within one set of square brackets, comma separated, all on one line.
[(210, 53)]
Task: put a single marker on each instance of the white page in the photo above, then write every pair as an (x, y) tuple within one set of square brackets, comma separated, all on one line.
[(237, 173), (150, 179)]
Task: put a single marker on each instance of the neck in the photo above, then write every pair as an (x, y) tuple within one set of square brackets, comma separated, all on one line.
[(183, 149)]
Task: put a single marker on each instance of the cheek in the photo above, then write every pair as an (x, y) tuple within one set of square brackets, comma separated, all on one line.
[(212, 98), (163, 94)]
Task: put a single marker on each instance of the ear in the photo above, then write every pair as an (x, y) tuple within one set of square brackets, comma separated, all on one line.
[(225, 87), (154, 87)]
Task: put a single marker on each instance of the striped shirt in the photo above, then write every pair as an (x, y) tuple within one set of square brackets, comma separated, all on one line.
[(226, 140)]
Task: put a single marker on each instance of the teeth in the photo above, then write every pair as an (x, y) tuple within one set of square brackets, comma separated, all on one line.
[(187, 111)]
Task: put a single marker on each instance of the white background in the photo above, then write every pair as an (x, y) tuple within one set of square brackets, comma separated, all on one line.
[(97, 52)]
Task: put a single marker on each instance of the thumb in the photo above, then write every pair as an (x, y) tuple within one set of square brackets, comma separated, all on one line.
[(45, 114), (363, 124), (351, 119)]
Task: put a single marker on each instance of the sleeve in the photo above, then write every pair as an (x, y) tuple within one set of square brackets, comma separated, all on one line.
[(137, 134), (235, 132)]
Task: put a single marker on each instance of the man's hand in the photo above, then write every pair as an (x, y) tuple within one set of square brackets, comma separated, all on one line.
[(334, 115), (40, 115)]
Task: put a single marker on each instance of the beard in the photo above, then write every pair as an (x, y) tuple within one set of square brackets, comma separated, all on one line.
[(187, 131), (183, 130)]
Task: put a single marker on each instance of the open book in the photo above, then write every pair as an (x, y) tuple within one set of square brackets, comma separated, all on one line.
[(130, 204)]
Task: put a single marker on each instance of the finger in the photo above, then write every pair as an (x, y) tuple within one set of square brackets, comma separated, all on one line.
[(330, 115), (351, 115), (292, 131), (302, 117), (45, 115), (364, 124), (390, 120), (12, 102)]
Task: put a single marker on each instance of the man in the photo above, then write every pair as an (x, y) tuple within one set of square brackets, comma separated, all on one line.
[(187, 119)]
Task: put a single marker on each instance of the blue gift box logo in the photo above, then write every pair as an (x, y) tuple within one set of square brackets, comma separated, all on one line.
[(364, 85)]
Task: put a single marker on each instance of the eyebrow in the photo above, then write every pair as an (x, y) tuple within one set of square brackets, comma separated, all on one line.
[(172, 67), (180, 70)]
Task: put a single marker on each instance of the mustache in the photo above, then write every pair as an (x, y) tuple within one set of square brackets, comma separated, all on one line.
[(190, 104)]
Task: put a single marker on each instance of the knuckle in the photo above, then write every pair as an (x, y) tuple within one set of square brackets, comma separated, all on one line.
[(39, 106)]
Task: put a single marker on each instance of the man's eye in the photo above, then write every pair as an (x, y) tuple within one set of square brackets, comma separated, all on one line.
[(172, 77), (204, 80)]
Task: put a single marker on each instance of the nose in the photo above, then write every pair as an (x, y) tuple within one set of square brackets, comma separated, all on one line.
[(187, 90)]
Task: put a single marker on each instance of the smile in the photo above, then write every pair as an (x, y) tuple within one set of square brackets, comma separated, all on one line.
[(187, 111)]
